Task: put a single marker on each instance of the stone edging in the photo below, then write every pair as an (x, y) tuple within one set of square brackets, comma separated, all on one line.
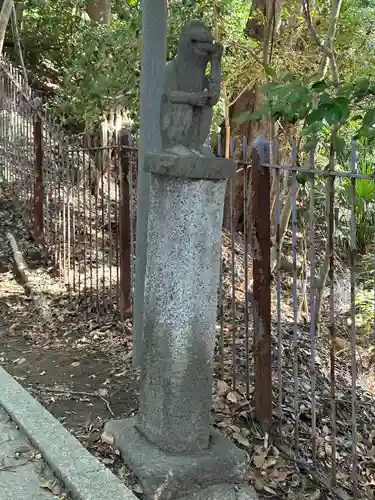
[(82, 474)]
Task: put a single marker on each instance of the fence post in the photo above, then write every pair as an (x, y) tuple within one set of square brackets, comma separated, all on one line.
[(124, 230), (228, 215), (261, 245), (38, 181)]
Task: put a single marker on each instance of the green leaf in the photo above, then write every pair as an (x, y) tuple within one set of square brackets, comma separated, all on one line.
[(332, 112), (369, 118), (271, 87), (288, 77), (362, 85), (339, 145), (247, 116), (324, 98), (316, 115), (302, 177), (343, 105), (319, 86), (270, 71), (309, 145)]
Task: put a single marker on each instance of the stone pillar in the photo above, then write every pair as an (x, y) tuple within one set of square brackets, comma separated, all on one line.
[(154, 31), (182, 279), (171, 445)]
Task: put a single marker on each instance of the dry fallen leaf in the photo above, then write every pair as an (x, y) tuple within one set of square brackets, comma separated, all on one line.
[(259, 459), (52, 486), (341, 343), (233, 397), (137, 488), (13, 327), (235, 428), (280, 475), (108, 461), (128, 355), (269, 490), (19, 361), (270, 462), (107, 438), (325, 429), (222, 387), (256, 476), (316, 495), (240, 438), (23, 449)]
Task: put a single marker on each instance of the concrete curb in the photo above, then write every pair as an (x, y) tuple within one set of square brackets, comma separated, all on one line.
[(83, 475)]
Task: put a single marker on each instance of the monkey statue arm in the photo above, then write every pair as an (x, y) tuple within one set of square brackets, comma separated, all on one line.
[(215, 75), (176, 96), (192, 98)]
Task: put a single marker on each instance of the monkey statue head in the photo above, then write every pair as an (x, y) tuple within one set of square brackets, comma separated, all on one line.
[(196, 41)]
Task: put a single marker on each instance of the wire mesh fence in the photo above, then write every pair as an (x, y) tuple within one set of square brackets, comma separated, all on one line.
[(292, 292)]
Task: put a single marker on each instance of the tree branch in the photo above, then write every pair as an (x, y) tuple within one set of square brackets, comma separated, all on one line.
[(17, 42), (327, 45), (330, 36)]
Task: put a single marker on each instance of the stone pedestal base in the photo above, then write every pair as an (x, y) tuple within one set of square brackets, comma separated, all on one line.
[(223, 492), (163, 476)]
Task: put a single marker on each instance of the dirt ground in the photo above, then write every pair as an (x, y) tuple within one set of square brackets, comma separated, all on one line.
[(79, 369), (76, 364)]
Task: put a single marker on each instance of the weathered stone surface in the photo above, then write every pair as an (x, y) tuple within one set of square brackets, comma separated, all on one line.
[(184, 96), (165, 476), (20, 476), (223, 492), (82, 474), (189, 95), (181, 290), (153, 51), (190, 166)]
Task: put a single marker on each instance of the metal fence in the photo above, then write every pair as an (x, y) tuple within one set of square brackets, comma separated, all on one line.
[(291, 333), (88, 219), (76, 193), (288, 338)]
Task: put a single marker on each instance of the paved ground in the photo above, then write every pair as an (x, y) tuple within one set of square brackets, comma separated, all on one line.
[(23, 473)]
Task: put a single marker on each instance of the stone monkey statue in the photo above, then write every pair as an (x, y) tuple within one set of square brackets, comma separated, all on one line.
[(189, 94)]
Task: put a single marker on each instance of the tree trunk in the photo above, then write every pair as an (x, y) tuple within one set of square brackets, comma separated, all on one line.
[(328, 58), (253, 98), (100, 11), (20, 8), (6, 10)]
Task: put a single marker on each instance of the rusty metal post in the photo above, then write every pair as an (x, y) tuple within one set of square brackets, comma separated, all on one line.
[(124, 230), (228, 215), (38, 182), (261, 245)]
